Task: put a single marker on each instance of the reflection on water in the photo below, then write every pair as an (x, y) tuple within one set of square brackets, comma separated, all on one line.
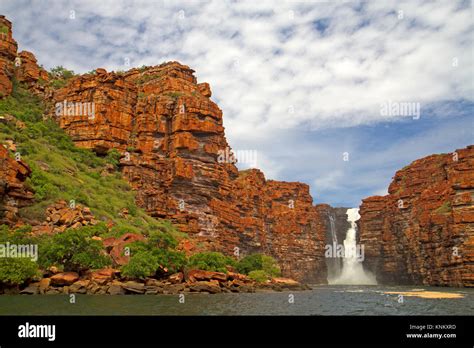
[(322, 300)]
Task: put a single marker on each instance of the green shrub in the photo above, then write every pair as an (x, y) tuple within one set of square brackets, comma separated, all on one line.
[(61, 72), (250, 263), (259, 276), (19, 236), (172, 260), (159, 249), (162, 240), (270, 266), (211, 261), (259, 262), (59, 76), (24, 229), (142, 264), (74, 249), (15, 271), (3, 229), (113, 157), (147, 263)]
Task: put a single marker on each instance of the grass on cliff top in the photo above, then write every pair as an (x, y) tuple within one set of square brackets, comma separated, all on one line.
[(59, 76), (60, 170)]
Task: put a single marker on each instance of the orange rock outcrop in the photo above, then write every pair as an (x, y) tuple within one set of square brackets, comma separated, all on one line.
[(23, 66), (13, 192), (8, 48), (422, 232)]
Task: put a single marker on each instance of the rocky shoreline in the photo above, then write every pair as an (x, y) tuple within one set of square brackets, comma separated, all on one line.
[(108, 282)]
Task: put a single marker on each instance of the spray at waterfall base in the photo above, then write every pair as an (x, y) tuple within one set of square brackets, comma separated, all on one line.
[(335, 250), (352, 254)]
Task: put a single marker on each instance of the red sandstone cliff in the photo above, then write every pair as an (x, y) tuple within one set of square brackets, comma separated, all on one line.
[(422, 232), (8, 48), (22, 65), (170, 134)]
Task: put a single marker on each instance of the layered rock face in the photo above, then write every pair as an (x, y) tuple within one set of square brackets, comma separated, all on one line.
[(335, 222), (23, 66), (278, 218), (422, 232), (13, 193), (30, 74), (171, 137), (8, 48), (13, 173), (335, 225)]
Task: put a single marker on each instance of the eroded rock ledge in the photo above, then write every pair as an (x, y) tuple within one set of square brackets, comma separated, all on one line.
[(108, 282)]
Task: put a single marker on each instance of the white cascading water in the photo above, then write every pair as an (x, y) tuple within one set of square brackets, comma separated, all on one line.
[(352, 269)]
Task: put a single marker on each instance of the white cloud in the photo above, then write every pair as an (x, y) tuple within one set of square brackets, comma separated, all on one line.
[(329, 181), (271, 71)]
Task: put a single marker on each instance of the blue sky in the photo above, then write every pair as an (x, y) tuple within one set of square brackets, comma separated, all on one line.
[(300, 82)]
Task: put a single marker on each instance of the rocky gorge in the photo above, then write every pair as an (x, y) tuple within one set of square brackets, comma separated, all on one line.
[(170, 137)]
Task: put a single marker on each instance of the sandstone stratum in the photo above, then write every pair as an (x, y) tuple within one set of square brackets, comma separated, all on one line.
[(170, 137)]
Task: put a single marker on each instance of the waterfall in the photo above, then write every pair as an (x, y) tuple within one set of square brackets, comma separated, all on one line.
[(352, 269)]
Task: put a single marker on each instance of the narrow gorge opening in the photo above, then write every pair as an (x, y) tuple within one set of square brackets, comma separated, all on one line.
[(351, 271)]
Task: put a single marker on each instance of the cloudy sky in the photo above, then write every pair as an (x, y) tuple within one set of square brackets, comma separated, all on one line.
[(306, 84)]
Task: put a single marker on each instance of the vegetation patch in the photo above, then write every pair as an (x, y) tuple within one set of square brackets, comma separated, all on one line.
[(62, 171), (3, 29), (211, 261), (59, 76), (74, 250), (154, 257), (445, 208), (259, 262)]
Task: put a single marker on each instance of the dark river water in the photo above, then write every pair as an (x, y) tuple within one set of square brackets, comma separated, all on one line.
[(322, 300)]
